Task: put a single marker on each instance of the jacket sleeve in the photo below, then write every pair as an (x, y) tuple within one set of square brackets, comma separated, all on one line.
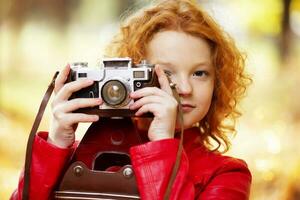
[(153, 162), (46, 166), (231, 180)]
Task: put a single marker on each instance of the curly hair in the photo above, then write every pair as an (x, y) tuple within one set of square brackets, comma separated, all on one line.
[(186, 16)]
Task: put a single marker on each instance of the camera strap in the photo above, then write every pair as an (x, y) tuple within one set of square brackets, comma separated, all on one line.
[(35, 126), (180, 147)]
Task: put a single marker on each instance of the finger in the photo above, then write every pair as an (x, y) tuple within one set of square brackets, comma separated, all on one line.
[(69, 119), (75, 104), (147, 100), (75, 118), (147, 108), (69, 88), (61, 78), (148, 91), (163, 80)]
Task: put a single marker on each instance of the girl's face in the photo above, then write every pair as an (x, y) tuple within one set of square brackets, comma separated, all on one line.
[(187, 59)]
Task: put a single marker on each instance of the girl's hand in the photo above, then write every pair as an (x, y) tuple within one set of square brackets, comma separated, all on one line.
[(161, 103), (64, 122)]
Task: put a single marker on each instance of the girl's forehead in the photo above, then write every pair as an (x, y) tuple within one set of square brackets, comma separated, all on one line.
[(174, 46)]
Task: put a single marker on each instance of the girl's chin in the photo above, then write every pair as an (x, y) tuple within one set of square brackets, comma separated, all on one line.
[(185, 126)]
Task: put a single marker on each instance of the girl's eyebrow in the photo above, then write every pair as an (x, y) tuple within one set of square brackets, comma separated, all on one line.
[(198, 64), (164, 63), (205, 64)]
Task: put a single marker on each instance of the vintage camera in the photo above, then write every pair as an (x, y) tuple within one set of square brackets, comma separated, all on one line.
[(113, 83)]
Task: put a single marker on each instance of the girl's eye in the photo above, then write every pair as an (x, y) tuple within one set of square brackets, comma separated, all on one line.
[(200, 73)]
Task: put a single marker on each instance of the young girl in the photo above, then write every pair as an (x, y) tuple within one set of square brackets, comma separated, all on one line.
[(208, 70)]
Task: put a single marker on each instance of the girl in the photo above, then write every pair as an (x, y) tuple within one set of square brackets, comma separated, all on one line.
[(186, 44)]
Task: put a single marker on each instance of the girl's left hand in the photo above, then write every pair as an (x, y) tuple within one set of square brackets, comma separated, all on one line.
[(161, 103)]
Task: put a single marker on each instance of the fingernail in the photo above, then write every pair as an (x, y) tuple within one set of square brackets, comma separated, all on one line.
[(96, 118)]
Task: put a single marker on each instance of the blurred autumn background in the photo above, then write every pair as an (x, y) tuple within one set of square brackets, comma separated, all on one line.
[(38, 37)]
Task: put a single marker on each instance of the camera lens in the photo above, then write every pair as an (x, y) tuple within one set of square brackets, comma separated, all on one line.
[(114, 93)]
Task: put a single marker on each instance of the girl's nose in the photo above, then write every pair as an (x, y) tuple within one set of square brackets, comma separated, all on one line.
[(184, 87)]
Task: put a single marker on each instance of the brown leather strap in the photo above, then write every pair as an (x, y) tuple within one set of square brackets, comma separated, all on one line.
[(38, 118), (180, 147)]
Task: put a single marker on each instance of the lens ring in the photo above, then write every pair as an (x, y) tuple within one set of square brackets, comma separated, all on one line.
[(114, 93)]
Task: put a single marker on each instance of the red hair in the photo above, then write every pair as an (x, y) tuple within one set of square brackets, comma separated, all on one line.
[(186, 16)]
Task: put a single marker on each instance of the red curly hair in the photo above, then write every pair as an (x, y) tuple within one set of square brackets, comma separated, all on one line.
[(186, 16)]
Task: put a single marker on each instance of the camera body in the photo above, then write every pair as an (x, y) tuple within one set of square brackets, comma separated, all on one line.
[(113, 83)]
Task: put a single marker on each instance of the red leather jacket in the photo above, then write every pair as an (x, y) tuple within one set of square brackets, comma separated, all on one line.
[(202, 174)]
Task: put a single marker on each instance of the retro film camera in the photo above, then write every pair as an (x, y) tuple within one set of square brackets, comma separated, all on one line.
[(106, 143), (113, 83)]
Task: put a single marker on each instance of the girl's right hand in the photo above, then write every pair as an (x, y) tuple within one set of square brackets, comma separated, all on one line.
[(64, 122)]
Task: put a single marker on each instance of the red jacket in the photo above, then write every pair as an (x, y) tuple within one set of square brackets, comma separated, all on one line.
[(202, 174)]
